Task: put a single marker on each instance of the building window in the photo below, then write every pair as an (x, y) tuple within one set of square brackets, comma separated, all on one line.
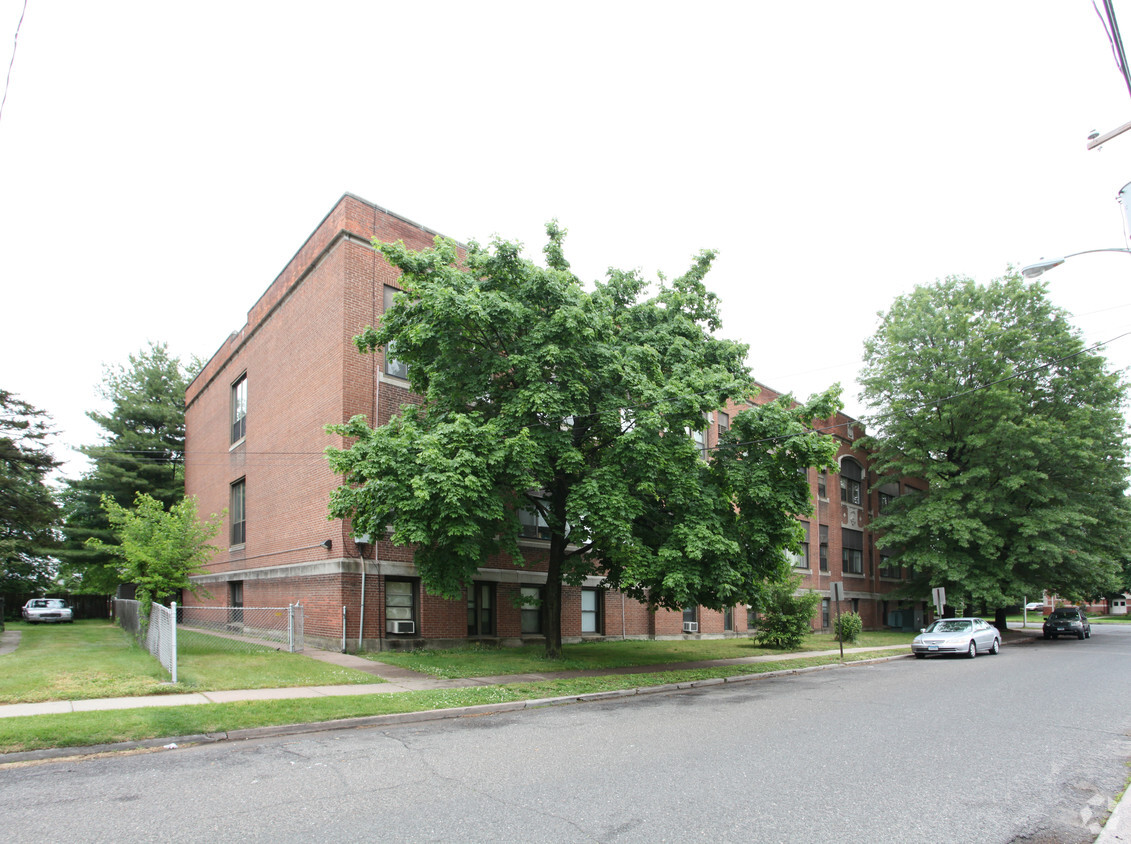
[(237, 512), (724, 423), (590, 610), (850, 487), (400, 607), (481, 609), (728, 619), (823, 534), (394, 367), (801, 558), (825, 603), (751, 618), (856, 605), (235, 601), (885, 500), (852, 549), (531, 609), (532, 525), (700, 440), (239, 409), (887, 569), (823, 485)]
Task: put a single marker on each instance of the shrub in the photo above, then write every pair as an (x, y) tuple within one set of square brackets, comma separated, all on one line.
[(848, 627), (785, 617)]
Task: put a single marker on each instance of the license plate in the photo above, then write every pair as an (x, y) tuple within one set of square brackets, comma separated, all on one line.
[(932, 647)]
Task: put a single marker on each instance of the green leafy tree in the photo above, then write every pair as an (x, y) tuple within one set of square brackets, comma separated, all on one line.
[(785, 614), (542, 400), (989, 394), (142, 450), (158, 549), (28, 511)]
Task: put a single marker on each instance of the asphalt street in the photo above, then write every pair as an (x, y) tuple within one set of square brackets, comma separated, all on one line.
[(1026, 746)]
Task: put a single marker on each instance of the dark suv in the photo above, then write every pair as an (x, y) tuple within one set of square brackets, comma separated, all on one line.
[(1067, 621)]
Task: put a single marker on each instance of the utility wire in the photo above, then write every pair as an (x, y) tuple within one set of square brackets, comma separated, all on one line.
[(12, 61)]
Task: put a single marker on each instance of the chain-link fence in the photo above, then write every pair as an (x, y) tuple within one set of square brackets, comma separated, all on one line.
[(171, 630), (157, 633), (241, 628)]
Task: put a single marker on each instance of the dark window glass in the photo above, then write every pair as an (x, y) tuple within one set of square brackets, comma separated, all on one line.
[(239, 409), (850, 487), (481, 609), (237, 512), (393, 366), (531, 609), (590, 610)]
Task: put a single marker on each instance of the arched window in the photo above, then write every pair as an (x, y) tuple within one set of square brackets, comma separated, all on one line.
[(851, 475)]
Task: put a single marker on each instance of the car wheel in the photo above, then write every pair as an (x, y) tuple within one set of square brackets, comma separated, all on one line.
[(1056, 635), (1080, 635), (972, 651), (995, 647), (1088, 633), (1046, 636)]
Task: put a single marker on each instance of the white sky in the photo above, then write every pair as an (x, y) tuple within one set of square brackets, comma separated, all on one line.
[(160, 163)]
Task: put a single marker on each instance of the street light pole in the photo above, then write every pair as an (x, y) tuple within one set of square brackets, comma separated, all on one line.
[(1034, 270)]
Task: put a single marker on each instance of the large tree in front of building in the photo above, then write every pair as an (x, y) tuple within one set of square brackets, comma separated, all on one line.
[(141, 451), (570, 408), (28, 511), (988, 393)]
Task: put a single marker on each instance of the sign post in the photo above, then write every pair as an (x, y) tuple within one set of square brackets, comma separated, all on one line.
[(939, 596), (837, 589)]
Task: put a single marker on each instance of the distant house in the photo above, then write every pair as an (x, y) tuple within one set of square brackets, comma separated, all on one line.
[(255, 440)]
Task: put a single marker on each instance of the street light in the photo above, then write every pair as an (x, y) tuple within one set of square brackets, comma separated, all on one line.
[(1034, 270)]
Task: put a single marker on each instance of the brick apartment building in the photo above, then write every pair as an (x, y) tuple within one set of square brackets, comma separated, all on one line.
[(255, 422)]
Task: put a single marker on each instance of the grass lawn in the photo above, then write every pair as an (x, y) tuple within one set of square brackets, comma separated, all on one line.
[(95, 659), (530, 659), (79, 729)]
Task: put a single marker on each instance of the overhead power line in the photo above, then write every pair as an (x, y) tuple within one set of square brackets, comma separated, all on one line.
[(12, 61)]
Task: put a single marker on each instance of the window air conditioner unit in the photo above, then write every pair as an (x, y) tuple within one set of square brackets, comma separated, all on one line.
[(400, 626), (691, 627)]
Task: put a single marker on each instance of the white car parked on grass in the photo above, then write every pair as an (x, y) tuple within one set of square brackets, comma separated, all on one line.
[(47, 610)]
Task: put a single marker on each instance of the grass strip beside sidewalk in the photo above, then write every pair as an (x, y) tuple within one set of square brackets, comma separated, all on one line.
[(83, 729)]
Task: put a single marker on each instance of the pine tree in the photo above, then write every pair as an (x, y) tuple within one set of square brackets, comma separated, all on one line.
[(28, 510), (142, 451)]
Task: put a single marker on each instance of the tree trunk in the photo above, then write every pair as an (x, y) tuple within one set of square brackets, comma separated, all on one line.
[(552, 600), (999, 620)]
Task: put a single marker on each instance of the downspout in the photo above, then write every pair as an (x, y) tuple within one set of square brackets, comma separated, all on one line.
[(361, 619), (376, 405)]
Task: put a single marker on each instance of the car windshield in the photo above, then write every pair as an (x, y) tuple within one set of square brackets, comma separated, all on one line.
[(1064, 614), (950, 626), (47, 603)]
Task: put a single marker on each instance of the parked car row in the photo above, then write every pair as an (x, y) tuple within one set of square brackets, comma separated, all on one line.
[(971, 636)]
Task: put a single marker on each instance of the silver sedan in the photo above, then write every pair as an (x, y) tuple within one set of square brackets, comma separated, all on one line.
[(967, 636)]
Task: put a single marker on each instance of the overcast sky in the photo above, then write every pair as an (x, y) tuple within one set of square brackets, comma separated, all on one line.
[(160, 163)]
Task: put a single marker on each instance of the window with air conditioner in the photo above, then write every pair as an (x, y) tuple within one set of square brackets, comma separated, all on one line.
[(400, 607)]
